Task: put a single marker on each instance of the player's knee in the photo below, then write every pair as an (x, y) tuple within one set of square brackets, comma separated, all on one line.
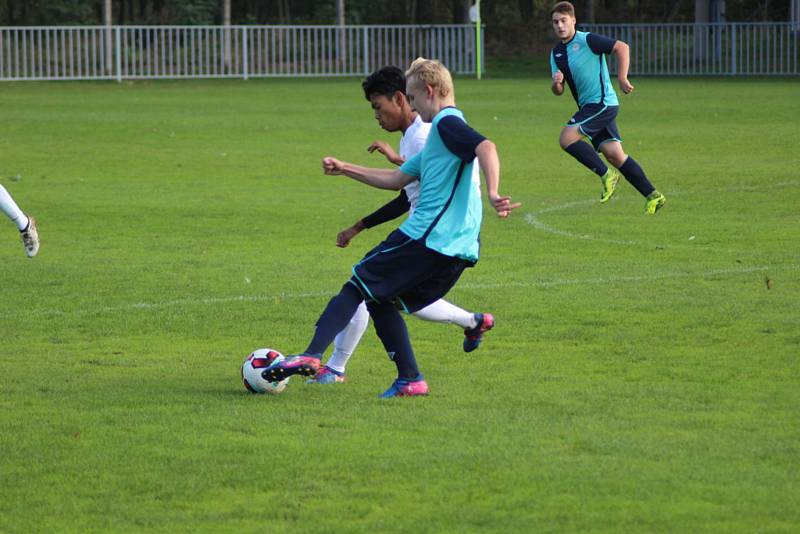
[(616, 158)]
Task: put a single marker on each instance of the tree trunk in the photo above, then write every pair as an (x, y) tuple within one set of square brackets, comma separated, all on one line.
[(226, 22), (701, 14), (107, 21), (284, 15), (340, 33), (794, 14), (340, 12)]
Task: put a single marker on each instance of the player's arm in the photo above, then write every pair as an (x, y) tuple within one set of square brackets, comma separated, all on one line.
[(391, 210), (600, 44), (467, 144), (386, 149), (557, 76), (486, 152), (558, 83), (380, 178), (623, 54)]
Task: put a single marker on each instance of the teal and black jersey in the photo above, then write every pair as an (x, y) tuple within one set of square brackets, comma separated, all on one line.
[(449, 212), (582, 60)]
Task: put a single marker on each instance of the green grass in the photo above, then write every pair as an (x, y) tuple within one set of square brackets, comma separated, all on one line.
[(642, 376)]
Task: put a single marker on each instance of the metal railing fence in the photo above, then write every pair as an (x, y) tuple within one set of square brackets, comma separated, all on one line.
[(136, 52), (736, 48)]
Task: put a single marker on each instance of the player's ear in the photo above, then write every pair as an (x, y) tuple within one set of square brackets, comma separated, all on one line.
[(399, 98)]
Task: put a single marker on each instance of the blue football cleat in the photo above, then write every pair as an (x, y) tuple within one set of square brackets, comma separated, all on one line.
[(326, 375), (472, 336), (402, 387)]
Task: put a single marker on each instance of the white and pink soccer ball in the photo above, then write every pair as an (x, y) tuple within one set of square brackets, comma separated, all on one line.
[(254, 365)]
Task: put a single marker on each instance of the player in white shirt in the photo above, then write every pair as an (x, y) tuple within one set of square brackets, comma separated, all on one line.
[(385, 90), (25, 224)]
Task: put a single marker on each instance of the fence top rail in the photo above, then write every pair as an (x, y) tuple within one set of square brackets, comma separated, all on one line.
[(680, 24), (241, 26)]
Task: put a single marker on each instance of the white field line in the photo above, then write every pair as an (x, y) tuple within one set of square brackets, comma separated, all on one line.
[(154, 306), (532, 219)]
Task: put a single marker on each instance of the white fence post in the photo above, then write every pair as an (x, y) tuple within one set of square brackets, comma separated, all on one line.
[(366, 51), (81, 53), (245, 63), (700, 48), (118, 53)]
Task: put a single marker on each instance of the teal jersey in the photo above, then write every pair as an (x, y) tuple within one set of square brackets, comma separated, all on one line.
[(582, 60), (449, 212)]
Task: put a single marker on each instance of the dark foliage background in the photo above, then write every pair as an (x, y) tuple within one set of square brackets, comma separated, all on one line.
[(514, 27)]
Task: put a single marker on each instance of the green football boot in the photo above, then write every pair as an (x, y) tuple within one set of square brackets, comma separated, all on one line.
[(609, 180), (654, 202)]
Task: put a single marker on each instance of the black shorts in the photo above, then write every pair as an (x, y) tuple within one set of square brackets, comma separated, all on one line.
[(598, 123), (405, 272)]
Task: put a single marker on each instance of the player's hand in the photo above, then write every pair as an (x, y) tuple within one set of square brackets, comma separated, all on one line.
[(626, 86), (384, 148), (503, 205), (345, 236), (332, 166), (558, 77)]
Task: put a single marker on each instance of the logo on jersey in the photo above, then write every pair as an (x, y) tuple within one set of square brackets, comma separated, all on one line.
[(559, 55), (576, 47)]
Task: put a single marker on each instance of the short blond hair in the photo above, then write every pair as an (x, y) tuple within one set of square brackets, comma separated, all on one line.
[(432, 72)]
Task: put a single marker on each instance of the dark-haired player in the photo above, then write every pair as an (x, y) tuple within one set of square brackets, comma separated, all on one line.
[(580, 61), (385, 89), (418, 263)]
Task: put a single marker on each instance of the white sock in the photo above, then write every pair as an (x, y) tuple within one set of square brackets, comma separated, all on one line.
[(347, 340), (442, 311), (11, 209)]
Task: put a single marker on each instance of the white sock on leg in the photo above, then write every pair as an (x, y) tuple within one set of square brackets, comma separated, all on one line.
[(442, 311), (11, 209), (347, 340)]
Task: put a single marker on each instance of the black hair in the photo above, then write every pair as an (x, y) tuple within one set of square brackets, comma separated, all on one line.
[(385, 81)]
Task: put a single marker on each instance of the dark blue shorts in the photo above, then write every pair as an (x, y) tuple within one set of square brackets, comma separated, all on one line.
[(598, 123), (405, 272)]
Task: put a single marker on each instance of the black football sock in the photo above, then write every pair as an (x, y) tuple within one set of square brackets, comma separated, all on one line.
[(635, 175), (584, 153), (335, 317), (392, 331)]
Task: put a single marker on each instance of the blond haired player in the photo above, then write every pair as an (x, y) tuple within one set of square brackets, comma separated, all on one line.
[(419, 262)]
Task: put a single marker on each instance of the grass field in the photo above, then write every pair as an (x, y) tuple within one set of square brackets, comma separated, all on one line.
[(644, 374)]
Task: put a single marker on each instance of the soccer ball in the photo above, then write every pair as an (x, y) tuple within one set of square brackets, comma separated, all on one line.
[(254, 365)]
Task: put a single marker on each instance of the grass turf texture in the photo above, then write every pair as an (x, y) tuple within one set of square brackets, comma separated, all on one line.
[(642, 375)]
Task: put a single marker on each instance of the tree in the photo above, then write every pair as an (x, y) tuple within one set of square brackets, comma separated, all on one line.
[(107, 22), (226, 22)]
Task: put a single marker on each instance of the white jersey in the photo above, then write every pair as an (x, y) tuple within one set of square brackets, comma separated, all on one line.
[(412, 142)]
